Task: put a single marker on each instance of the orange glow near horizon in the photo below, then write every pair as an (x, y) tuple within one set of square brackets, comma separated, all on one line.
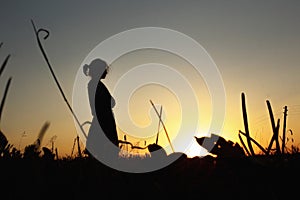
[(142, 114)]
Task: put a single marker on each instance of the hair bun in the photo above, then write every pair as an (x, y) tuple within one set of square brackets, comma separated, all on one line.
[(86, 69)]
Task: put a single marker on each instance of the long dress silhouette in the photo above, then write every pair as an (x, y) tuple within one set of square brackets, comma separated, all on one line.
[(104, 103), (101, 105)]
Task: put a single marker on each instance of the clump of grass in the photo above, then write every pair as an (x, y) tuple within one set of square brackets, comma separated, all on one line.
[(279, 149), (5, 147)]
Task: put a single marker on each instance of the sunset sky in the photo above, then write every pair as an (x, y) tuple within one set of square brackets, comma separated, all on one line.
[(255, 45)]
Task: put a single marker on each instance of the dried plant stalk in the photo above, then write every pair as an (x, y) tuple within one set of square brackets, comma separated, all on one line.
[(245, 117)]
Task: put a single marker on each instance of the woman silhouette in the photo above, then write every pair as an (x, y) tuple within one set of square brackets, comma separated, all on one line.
[(101, 104)]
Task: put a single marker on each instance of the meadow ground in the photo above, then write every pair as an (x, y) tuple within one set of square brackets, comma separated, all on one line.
[(256, 177)]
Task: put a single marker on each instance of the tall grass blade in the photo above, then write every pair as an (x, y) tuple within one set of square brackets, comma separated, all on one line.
[(3, 142), (47, 33), (4, 96), (42, 134), (274, 128), (284, 130), (160, 113), (245, 117), (4, 64), (244, 145), (78, 147), (254, 141), (161, 121)]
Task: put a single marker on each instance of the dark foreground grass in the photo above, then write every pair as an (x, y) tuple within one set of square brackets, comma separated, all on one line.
[(259, 177)]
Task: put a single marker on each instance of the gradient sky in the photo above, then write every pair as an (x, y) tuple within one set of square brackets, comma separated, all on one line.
[(255, 45)]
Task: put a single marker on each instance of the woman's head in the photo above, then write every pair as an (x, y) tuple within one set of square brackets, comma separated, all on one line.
[(96, 69)]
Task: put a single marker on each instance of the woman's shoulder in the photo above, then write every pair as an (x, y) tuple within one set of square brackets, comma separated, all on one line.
[(101, 87)]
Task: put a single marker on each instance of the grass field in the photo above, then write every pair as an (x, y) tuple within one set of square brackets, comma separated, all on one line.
[(256, 177)]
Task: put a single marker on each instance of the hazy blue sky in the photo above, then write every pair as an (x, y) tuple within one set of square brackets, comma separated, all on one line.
[(255, 45)]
